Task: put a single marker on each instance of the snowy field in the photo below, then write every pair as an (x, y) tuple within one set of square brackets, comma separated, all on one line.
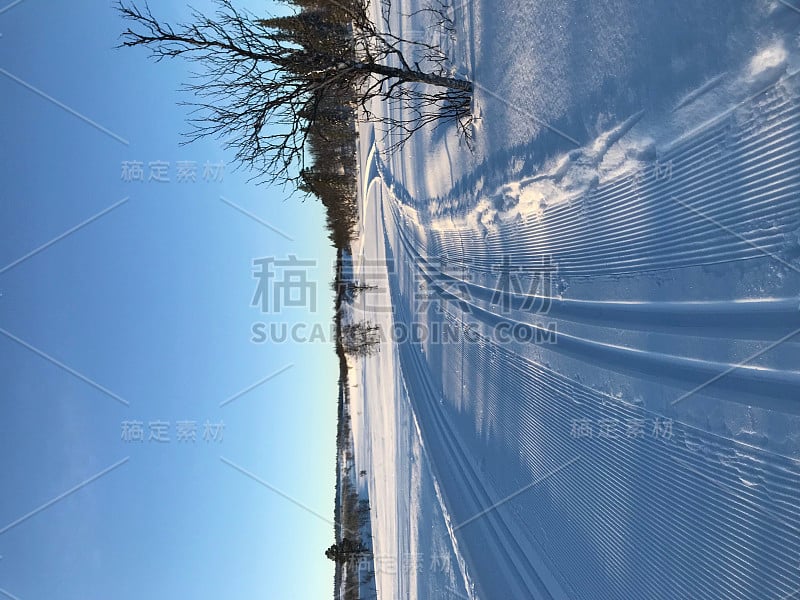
[(603, 398)]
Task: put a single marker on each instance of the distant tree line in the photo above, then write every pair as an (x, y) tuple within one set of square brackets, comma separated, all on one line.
[(331, 167)]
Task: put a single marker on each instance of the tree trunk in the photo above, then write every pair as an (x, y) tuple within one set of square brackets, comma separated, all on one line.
[(414, 76)]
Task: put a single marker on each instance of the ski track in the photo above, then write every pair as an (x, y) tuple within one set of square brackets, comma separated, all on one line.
[(646, 222), (701, 514), (703, 524)]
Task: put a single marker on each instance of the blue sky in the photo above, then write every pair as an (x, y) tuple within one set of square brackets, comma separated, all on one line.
[(150, 305)]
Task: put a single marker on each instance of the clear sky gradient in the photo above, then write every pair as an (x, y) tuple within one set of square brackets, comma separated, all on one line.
[(149, 305)]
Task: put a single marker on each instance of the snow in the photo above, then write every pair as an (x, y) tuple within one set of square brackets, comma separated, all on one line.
[(647, 152), (768, 59)]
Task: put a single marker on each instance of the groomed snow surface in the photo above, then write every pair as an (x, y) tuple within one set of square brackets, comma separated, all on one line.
[(603, 396)]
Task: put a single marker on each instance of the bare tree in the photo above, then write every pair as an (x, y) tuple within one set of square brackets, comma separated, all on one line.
[(361, 339), (351, 289), (263, 81), (441, 13)]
